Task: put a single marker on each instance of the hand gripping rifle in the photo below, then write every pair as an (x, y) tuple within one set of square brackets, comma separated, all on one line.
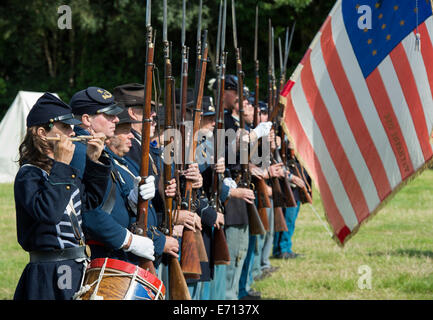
[(221, 251), (178, 287), (255, 224), (143, 205)]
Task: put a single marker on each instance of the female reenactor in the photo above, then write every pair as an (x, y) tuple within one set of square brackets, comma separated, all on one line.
[(50, 199)]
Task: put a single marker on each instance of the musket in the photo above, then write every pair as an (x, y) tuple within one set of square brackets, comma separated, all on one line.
[(140, 227), (198, 98), (190, 260), (178, 288), (255, 224), (200, 74), (263, 200), (190, 196), (221, 251), (280, 199)]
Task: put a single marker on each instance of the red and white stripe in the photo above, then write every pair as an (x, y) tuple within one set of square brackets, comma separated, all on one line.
[(360, 138)]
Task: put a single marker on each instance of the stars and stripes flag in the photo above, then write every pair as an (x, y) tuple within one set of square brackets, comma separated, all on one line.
[(359, 106)]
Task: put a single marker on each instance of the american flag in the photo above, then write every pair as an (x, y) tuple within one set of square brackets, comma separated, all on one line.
[(359, 106)]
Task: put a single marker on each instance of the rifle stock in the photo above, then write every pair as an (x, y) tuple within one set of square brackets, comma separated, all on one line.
[(143, 205), (220, 248), (263, 201), (280, 224), (178, 287)]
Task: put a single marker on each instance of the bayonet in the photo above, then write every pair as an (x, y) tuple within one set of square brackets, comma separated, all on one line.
[(218, 44), (148, 12), (223, 33), (235, 36), (164, 22), (256, 62), (290, 41), (256, 33), (199, 21), (183, 22), (273, 54), (280, 51)]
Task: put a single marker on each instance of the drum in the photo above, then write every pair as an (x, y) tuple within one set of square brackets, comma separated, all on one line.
[(111, 279)]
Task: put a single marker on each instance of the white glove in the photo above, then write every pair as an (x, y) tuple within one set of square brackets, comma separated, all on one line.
[(229, 182), (263, 129), (147, 191), (141, 246)]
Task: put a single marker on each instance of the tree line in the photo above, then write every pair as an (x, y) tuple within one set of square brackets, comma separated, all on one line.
[(106, 45)]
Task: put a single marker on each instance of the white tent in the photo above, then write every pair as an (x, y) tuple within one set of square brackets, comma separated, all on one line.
[(12, 132)]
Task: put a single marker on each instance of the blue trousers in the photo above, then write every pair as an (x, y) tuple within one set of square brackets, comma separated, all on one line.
[(283, 240), (246, 280), (237, 241), (218, 283), (265, 263), (195, 290)]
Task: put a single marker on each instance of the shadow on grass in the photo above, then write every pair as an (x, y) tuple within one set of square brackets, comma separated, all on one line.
[(405, 252)]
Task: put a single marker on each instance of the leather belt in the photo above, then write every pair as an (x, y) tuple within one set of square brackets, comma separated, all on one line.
[(73, 253)]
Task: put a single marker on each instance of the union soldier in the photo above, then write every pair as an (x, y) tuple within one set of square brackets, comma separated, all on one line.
[(131, 97), (51, 200), (107, 225), (209, 217)]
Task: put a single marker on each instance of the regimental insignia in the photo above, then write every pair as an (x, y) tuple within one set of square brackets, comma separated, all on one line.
[(105, 94)]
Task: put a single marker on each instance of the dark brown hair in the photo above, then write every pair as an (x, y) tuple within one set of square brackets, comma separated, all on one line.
[(33, 150)]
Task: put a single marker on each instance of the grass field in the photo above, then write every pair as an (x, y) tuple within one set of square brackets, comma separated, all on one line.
[(397, 246)]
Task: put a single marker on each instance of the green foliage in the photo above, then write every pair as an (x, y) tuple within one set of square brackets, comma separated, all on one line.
[(106, 46)]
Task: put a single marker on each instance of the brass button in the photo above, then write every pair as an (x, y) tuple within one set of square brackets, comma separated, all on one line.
[(73, 176), (68, 187)]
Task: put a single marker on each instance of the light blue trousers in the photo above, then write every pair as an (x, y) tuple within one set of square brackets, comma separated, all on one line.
[(237, 241)]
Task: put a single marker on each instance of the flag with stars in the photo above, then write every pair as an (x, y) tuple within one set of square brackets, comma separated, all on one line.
[(359, 106)]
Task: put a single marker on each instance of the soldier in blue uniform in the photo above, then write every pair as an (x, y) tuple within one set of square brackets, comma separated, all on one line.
[(210, 219), (236, 215), (51, 200), (131, 97), (108, 225)]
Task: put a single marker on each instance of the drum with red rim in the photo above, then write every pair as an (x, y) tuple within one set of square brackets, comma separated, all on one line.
[(111, 279)]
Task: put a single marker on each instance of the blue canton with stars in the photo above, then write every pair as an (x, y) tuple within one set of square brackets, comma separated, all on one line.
[(392, 21)]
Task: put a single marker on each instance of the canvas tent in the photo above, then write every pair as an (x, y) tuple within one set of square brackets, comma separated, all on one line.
[(12, 132)]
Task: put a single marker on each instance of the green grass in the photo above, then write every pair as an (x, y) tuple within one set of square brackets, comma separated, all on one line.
[(397, 244), (12, 257)]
